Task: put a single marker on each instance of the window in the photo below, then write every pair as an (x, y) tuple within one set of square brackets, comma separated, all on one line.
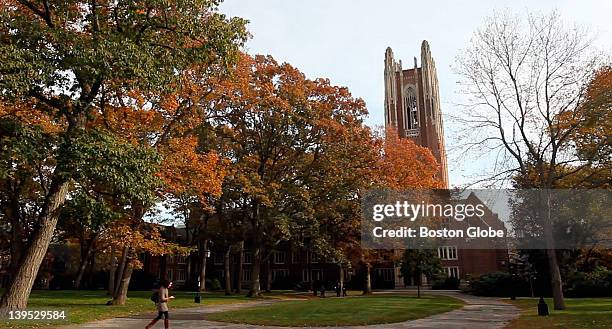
[(410, 110), (248, 257), (169, 273), (279, 274), (452, 272), (181, 259), (219, 274), (180, 275), (246, 274), (305, 275), (386, 274), (447, 252), (279, 257), (314, 258), (316, 275)]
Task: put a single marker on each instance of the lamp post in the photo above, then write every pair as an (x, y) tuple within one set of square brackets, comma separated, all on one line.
[(198, 296)]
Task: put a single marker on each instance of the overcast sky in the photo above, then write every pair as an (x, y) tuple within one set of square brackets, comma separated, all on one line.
[(345, 40)]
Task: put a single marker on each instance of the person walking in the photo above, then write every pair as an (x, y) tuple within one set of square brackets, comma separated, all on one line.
[(163, 298)]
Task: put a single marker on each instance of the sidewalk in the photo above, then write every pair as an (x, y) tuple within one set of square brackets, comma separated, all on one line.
[(478, 313)]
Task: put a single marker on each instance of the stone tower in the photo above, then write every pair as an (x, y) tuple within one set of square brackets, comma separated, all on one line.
[(412, 104)]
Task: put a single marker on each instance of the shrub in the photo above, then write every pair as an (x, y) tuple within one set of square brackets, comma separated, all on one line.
[(499, 284), (213, 284), (590, 284), (450, 283)]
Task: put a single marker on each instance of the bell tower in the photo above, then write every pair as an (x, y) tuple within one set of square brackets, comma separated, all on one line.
[(412, 104)]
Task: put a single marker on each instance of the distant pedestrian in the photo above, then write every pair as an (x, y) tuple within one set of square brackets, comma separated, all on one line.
[(343, 291), (161, 301), (322, 289), (338, 289)]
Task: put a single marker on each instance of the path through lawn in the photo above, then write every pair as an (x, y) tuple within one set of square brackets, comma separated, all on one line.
[(85, 306)]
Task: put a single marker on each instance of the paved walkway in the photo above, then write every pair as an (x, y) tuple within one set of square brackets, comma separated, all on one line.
[(478, 313)]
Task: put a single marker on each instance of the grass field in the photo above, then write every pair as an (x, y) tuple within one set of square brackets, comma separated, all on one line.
[(341, 311), (84, 306), (581, 313)]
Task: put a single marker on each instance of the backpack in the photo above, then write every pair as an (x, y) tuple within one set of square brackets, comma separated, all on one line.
[(155, 297)]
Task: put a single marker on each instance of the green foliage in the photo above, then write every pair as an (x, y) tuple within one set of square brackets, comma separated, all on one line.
[(84, 212), (22, 147), (101, 162), (72, 47), (597, 283), (420, 261)]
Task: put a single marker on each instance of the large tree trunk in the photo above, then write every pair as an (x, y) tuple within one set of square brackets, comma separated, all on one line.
[(112, 272), (368, 284), (17, 294), (255, 290), (419, 282), (553, 264), (240, 264), (341, 277), (18, 235), (120, 270), (555, 277), (202, 286), (85, 259), (228, 274), (91, 272), (122, 288), (17, 247)]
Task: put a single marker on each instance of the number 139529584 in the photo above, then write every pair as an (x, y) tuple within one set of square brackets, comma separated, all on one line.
[(37, 315)]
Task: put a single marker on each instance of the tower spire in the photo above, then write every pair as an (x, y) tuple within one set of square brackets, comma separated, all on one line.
[(412, 104)]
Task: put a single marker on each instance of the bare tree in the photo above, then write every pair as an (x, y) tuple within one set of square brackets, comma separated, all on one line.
[(521, 77)]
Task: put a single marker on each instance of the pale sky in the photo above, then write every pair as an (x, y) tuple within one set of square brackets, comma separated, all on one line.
[(345, 41)]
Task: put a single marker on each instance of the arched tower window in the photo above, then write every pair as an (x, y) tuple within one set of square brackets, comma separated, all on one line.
[(410, 109)]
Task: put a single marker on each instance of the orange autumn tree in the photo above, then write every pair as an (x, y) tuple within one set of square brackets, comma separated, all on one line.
[(406, 165), (299, 153), (593, 135), (401, 165), (133, 239), (169, 124), (338, 173)]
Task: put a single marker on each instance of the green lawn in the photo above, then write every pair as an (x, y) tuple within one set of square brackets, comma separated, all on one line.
[(580, 313), (84, 306), (341, 311)]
